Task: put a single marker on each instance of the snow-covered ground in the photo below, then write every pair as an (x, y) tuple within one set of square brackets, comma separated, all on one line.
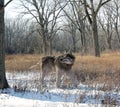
[(29, 94)]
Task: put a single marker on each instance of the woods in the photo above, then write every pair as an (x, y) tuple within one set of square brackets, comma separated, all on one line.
[(58, 26), (86, 27)]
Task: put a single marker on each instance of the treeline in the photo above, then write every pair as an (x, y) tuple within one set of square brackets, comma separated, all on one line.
[(59, 26)]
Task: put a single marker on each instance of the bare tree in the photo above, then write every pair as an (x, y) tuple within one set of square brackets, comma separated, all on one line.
[(107, 25), (110, 24), (3, 81), (15, 33), (116, 9), (46, 14), (91, 10), (72, 31), (75, 14)]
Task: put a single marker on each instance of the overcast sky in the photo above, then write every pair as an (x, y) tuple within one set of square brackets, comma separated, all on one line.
[(12, 9)]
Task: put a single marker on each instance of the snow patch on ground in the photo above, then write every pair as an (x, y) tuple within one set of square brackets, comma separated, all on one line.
[(82, 96)]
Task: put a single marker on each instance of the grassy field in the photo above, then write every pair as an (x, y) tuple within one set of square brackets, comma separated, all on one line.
[(21, 62), (87, 68), (98, 78), (107, 62)]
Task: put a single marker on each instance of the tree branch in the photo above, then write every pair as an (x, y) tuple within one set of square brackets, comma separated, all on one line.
[(5, 5), (105, 2), (101, 4), (86, 11)]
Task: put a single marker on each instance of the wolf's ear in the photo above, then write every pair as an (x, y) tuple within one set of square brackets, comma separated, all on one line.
[(69, 51), (65, 52)]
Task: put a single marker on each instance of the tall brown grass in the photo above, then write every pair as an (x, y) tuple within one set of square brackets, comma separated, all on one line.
[(107, 62), (21, 62), (104, 70), (85, 67)]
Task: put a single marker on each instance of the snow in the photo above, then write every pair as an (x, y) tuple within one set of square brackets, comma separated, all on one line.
[(32, 100), (28, 94), (21, 102)]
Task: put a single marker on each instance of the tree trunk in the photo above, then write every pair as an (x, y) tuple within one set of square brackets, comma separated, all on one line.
[(95, 37), (83, 40), (50, 47), (3, 81), (74, 44), (84, 45), (73, 34), (44, 46), (109, 42), (117, 31)]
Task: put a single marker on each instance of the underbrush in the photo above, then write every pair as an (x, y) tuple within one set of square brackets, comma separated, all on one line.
[(88, 69), (24, 83)]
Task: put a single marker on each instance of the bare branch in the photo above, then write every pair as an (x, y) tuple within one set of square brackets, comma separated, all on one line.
[(105, 2), (8, 3), (87, 13), (101, 4), (5, 5)]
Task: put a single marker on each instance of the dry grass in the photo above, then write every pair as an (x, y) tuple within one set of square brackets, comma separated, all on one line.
[(104, 70), (90, 68), (110, 61), (21, 62), (107, 62)]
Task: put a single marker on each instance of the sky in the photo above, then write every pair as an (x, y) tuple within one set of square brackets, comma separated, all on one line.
[(11, 11)]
